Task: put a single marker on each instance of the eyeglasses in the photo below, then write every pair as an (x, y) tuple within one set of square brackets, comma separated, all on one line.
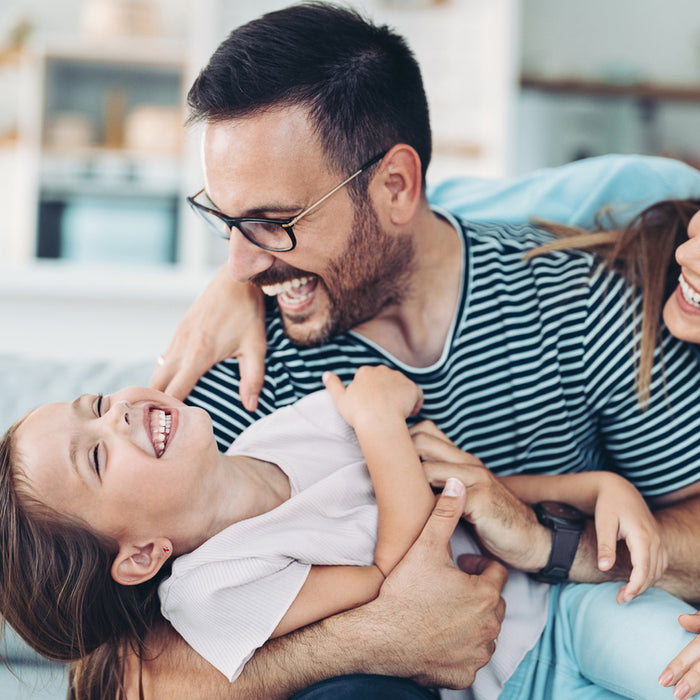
[(269, 234)]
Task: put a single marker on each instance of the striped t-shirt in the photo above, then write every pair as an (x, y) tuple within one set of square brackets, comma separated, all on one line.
[(537, 372)]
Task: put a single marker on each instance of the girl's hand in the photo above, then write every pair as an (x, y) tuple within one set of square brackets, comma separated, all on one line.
[(622, 514), (684, 670), (374, 394)]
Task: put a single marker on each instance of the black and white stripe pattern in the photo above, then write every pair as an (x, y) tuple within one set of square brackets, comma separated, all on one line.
[(537, 375)]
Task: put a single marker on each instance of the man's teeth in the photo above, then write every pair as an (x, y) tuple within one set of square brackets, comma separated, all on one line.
[(160, 429), (689, 294), (272, 290)]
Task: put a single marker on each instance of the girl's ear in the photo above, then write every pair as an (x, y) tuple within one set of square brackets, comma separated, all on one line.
[(135, 564)]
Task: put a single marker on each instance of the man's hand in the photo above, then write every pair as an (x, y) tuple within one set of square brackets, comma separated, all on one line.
[(226, 320), (431, 621), (506, 526)]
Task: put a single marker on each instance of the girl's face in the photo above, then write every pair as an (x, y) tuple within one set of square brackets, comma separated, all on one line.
[(124, 464), (682, 310)]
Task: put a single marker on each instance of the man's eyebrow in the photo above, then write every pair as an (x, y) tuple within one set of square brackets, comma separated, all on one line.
[(257, 212)]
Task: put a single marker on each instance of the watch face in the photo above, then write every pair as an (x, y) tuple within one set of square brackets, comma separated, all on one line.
[(560, 513), (561, 510)]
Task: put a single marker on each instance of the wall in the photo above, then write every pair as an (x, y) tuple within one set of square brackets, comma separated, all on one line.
[(619, 42), (94, 312), (617, 39)]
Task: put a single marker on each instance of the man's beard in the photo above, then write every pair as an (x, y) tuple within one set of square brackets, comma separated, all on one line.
[(372, 274)]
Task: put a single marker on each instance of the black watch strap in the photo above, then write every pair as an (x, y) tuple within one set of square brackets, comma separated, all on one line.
[(566, 533)]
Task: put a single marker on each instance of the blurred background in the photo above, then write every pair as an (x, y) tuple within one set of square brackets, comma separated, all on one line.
[(99, 256)]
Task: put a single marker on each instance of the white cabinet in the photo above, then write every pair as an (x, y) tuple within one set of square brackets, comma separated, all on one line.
[(100, 137)]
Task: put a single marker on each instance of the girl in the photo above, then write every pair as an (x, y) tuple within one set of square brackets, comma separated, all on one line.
[(106, 499)]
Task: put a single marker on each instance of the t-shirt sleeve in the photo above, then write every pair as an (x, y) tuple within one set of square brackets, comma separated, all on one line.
[(227, 609), (573, 193)]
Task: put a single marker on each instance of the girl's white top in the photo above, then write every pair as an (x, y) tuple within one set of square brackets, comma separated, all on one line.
[(226, 597)]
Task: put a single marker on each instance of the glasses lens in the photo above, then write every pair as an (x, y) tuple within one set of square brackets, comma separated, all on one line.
[(214, 222), (266, 234)]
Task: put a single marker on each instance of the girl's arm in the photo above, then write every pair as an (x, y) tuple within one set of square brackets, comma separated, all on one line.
[(619, 509), (376, 404), (620, 513)]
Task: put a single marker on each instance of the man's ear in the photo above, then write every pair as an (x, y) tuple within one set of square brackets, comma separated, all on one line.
[(135, 564), (399, 184)]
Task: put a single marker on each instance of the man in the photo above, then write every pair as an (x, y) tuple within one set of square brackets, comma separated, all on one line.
[(315, 149)]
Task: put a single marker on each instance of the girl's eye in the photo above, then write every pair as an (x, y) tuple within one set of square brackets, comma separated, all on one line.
[(96, 460), (98, 405)]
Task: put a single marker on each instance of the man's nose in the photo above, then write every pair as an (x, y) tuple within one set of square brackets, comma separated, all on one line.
[(246, 260)]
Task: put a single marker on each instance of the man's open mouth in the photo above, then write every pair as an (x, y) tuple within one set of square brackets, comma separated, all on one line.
[(160, 424), (294, 293)]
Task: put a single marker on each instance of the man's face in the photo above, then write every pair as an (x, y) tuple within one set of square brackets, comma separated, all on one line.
[(345, 268)]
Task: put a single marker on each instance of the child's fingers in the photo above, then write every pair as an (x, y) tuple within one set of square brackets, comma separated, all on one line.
[(419, 401), (334, 385), (606, 530), (642, 574)]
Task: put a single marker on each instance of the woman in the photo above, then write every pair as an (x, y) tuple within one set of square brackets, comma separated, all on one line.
[(659, 251)]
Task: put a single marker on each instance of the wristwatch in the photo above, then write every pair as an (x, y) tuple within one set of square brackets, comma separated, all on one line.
[(567, 524)]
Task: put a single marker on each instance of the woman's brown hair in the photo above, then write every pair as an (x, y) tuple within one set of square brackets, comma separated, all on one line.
[(643, 251), (56, 588)]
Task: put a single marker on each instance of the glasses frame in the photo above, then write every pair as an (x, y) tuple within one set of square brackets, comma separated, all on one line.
[(287, 224)]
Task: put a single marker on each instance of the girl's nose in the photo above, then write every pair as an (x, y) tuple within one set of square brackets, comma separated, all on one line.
[(120, 416)]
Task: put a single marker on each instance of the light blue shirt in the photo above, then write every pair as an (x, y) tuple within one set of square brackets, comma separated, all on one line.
[(572, 193)]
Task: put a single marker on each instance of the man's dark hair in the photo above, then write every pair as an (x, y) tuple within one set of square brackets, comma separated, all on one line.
[(360, 82)]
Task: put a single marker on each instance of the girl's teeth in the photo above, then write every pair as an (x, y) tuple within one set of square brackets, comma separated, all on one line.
[(160, 428)]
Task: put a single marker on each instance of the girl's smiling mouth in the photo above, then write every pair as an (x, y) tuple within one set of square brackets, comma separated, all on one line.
[(160, 426)]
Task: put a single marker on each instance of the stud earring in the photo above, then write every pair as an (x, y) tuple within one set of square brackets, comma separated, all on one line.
[(166, 549)]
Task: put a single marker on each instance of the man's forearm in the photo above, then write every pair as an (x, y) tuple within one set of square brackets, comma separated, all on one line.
[(431, 622), (279, 669), (680, 531)]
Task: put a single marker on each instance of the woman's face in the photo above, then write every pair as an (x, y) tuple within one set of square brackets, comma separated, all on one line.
[(124, 463), (682, 310)]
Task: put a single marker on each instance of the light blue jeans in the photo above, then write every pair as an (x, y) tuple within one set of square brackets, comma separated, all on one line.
[(593, 648)]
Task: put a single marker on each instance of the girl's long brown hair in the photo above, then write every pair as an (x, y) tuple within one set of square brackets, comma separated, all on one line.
[(643, 251), (56, 588)]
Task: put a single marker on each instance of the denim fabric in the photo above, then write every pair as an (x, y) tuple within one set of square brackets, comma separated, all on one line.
[(367, 687), (595, 649)]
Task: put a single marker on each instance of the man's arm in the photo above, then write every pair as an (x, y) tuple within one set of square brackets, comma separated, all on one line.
[(510, 530), (679, 524), (431, 622)]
